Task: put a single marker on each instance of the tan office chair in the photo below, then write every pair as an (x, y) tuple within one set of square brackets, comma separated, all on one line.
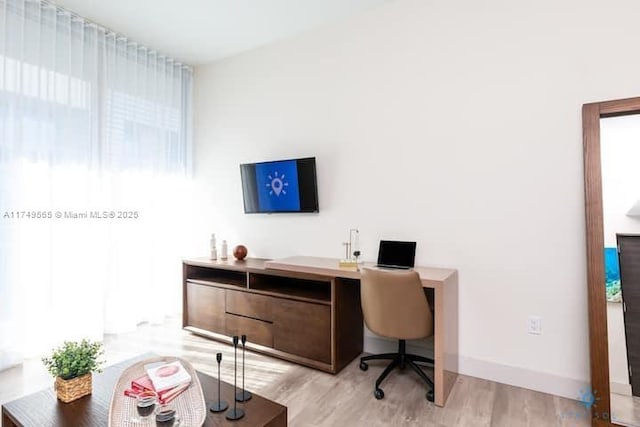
[(394, 306)]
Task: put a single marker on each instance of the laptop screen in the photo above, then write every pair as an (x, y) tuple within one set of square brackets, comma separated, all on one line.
[(394, 253)]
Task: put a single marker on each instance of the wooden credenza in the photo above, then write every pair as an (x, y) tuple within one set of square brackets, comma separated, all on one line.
[(310, 319)]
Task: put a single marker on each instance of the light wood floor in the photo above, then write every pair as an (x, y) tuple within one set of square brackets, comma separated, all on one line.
[(625, 409), (315, 398)]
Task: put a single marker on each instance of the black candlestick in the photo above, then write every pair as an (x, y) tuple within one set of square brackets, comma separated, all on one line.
[(244, 395), (220, 405), (235, 413)]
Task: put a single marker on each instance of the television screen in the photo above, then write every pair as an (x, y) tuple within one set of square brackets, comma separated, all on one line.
[(280, 186)]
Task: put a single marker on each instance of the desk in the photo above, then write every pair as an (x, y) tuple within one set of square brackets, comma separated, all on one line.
[(444, 283), (306, 310)]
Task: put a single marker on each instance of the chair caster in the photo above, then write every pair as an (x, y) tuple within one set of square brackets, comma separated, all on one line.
[(363, 366), (430, 396), (378, 393)]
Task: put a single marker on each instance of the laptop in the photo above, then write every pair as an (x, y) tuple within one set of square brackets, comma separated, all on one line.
[(395, 254)]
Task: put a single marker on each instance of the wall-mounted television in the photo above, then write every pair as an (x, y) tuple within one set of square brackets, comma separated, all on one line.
[(280, 186)]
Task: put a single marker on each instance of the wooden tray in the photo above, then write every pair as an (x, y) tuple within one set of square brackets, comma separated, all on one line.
[(190, 405)]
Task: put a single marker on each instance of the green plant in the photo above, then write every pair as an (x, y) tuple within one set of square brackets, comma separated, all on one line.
[(75, 359)]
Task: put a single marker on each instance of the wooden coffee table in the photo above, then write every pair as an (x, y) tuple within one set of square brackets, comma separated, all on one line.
[(42, 409)]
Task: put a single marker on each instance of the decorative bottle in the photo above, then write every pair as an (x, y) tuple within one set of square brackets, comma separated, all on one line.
[(223, 250), (212, 247)]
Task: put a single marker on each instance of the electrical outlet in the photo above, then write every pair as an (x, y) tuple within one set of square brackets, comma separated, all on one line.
[(534, 325)]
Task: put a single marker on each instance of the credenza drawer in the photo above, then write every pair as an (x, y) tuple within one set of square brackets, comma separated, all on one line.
[(257, 331), (249, 305), (302, 329), (205, 307)]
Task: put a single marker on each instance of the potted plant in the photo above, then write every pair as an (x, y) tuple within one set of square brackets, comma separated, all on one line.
[(72, 364)]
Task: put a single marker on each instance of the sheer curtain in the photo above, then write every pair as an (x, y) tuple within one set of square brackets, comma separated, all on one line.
[(94, 179)]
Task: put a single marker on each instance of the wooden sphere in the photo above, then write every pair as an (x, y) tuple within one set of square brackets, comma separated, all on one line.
[(240, 252)]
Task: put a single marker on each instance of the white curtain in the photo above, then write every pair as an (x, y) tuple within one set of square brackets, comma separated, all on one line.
[(94, 179)]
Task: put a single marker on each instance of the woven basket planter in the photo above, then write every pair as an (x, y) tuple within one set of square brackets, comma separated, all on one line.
[(73, 389)]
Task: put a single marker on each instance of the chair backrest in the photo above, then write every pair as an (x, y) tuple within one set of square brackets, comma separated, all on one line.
[(394, 304)]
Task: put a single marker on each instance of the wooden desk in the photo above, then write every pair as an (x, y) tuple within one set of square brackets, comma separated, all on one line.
[(444, 283), (306, 310)]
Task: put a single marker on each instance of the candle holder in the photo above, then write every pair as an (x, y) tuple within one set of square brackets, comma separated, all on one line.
[(235, 413), (220, 405), (244, 395)]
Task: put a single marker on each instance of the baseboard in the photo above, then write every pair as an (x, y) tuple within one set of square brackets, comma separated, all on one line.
[(525, 378), (9, 358), (511, 375), (622, 389)]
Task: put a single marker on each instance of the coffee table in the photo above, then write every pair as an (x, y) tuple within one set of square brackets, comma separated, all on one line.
[(42, 409)]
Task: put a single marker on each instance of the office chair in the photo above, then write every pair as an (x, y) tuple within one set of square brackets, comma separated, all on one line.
[(394, 306)]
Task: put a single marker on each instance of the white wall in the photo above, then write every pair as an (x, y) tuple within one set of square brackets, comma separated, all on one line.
[(456, 124), (620, 154)]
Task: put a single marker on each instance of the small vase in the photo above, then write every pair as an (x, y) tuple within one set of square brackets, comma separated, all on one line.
[(212, 248), (223, 251), (73, 389)]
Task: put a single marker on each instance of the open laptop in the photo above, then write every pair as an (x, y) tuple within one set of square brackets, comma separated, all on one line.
[(395, 254)]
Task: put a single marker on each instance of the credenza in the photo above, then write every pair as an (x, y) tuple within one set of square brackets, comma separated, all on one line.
[(307, 310), (310, 319)]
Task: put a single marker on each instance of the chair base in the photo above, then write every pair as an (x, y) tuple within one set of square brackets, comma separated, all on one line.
[(401, 359)]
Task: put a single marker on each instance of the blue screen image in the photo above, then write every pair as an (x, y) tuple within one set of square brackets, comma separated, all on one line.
[(611, 265), (612, 274), (278, 186)]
